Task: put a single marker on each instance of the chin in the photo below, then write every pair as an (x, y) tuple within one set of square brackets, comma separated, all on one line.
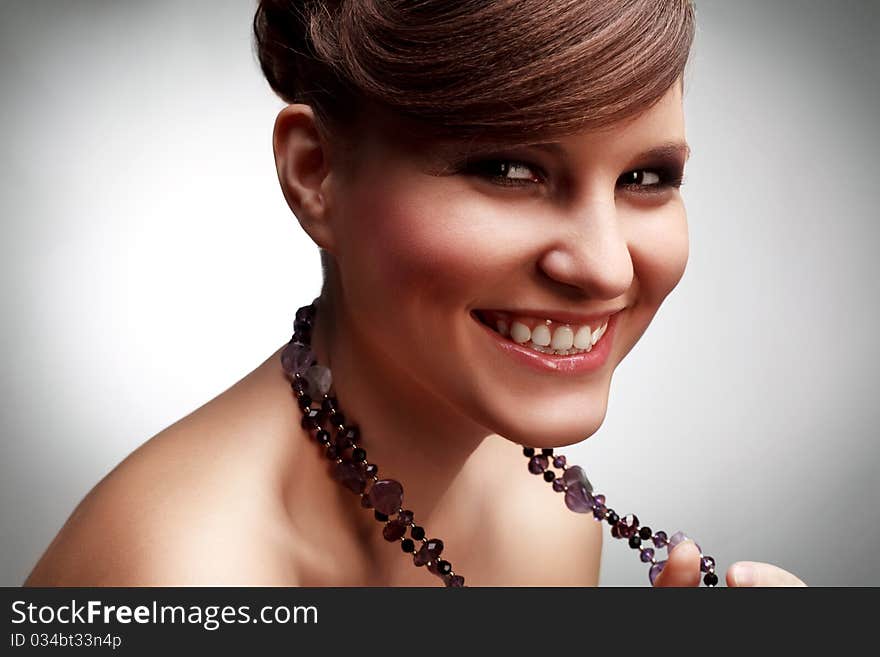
[(552, 425)]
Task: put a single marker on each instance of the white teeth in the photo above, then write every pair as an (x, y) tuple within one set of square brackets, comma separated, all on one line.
[(541, 335), (582, 338), (519, 332), (563, 338)]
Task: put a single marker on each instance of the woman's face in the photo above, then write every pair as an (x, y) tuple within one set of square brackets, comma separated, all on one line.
[(588, 227)]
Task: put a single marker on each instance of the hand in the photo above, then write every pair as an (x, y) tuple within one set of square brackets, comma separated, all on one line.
[(683, 569)]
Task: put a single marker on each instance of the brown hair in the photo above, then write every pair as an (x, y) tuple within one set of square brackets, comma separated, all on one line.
[(500, 70)]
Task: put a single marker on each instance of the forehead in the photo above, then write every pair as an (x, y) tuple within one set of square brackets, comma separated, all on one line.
[(661, 123)]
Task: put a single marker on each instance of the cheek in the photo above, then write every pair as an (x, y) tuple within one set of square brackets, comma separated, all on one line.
[(659, 250), (410, 246)]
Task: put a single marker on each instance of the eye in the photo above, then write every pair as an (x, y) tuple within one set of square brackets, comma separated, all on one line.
[(512, 173), (652, 181)]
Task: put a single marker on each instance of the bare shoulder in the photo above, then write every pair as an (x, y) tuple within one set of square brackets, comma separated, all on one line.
[(540, 542), (190, 506)]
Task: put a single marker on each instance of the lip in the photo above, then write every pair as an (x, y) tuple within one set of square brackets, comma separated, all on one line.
[(589, 361)]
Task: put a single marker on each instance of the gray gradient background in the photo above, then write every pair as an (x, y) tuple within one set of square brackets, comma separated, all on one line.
[(149, 261)]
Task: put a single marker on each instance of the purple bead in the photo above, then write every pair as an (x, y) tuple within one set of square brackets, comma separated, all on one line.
[(558, 485), (318, 380), (386, 496), (405, 516), (600, 499), (454, 581), (429, 551), (656, 569), (659, 539), (296, 359), (629, 525), (394, 530), (350, 475), (646, 554), (599, 511), (578, 499), (707, 564), (539, 463), (559, 461), (677, 538), (575, 475)]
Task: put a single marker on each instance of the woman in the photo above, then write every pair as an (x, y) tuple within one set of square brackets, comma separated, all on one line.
[(485, 180)]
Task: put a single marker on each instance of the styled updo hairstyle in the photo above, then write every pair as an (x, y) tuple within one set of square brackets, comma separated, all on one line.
[(503, 71), (493, 69)]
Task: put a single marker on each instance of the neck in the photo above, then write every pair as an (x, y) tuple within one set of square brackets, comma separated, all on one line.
[(409, 433)]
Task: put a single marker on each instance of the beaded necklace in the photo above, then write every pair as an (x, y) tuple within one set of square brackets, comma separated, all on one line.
[(311, 384)]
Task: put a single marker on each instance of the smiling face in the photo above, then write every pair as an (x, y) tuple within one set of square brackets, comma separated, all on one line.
[(427, 244)]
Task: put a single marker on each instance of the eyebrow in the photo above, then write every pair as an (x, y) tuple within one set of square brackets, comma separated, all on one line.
[(677, 149)]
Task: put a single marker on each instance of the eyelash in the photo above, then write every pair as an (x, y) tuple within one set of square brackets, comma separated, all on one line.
[(670, 177)]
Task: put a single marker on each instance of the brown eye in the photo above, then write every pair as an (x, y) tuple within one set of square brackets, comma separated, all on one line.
[(652, 181)]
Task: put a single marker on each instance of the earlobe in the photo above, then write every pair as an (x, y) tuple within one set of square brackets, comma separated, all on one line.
[(303, 165)]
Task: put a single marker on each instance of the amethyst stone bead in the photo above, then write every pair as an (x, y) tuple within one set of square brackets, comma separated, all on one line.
[(454, 581), (646, 554), (350, 475), (386, 496), (537, 464), (578, 499), (318, 381), (707, 564), (660, 539), (296, 359), (656, 569), (559, 461), (575, 476), (429, 551), (394, 530)]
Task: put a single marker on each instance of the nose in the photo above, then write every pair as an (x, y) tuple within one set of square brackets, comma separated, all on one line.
[(591, 253)]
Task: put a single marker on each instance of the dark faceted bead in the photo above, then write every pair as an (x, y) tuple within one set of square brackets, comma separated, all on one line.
[(417, 532), (304, 402), (547, 451), (615, 531), (612, 517), (349, 475), (359, 454), (331, 452), (635, 542), (381, 517), (444, 567), (599, 511), (711, 579), (365, 502), (549, 475), (646, 554), (645, 533), (407, 545), (600, 499), (454, 581), (537, 464), (405, 516), (707, 564), (430, 551), (394, 530), (629, 524), (528, 452), (302, 325), (559, 461), (322, 436), (348, 436), (298, 384), (337, 418), (371, 469), (310, 419), (386, 495), (328, 405), (558, 485)]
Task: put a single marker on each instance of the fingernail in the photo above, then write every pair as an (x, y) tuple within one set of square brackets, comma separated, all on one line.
[(744, 575)]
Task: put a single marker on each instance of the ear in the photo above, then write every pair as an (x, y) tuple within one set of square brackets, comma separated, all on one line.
[(302, 159)]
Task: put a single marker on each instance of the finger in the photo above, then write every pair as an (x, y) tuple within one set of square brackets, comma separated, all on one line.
[(683, 566), (755, 573)]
